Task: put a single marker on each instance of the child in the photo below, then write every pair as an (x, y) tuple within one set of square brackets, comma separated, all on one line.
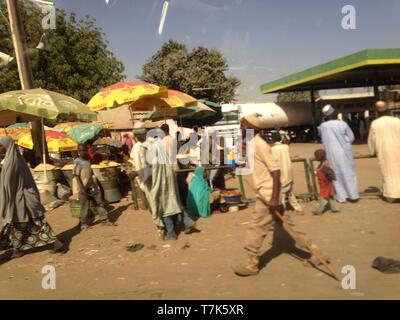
[(88, 189), (325, 177)]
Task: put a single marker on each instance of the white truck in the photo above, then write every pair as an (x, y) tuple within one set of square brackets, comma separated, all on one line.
[(294, 118)]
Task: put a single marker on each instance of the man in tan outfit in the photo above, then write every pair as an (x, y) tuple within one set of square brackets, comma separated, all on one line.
[(266, 180)]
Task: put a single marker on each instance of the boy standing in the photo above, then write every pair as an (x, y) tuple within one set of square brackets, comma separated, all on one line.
[(325, 176), (88, 189)]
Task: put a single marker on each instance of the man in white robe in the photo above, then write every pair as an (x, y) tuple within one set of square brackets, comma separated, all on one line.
[(384, 141), (337, 138)]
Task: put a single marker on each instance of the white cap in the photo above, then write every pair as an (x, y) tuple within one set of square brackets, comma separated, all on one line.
[(138, 125), (328, 110)]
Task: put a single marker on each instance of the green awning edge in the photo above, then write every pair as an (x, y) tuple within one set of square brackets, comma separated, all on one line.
[(356, 60)]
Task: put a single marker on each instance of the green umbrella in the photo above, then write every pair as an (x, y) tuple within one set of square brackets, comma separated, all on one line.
[(45, 104), (203, 119), (22, 125), (180, 113), (210, 103), (168, 113), (85, 132)]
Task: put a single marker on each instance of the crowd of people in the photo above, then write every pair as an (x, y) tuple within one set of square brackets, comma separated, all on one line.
[(383, 141), (336, 173), (151, 166)]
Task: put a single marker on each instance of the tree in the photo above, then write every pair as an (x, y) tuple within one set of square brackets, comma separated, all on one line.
[(297, 96), (200, 73), (75, 60)]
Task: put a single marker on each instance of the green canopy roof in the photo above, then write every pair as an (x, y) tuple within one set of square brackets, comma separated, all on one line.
[(362, 69)]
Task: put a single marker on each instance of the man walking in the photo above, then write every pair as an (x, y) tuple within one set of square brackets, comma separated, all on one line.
[(337, 138), (88, 189), (281, 153), (156, 173), (384, 141), (266, 180)]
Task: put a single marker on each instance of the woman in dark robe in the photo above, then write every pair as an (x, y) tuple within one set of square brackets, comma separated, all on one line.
[(24, 223)]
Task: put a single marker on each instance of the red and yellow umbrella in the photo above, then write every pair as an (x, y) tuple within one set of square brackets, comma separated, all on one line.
[(68, 126), (124, 93), (175, 99), (56, 141), (14, 133)]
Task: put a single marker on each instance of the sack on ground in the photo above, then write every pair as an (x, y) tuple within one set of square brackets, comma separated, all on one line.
[(63, 192)]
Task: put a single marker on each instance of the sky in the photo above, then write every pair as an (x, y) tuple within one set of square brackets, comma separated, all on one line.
[(263, 40)]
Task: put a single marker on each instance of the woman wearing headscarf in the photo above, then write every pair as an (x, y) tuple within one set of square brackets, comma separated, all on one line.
[(127, 141), (198, 202), (22, 213)]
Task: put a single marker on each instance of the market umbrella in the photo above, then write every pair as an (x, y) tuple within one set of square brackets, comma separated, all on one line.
[(14, 133), (56, 141), (106, 141), (23, 125), (45, 104), (168, 113), (203, 119), (174, 99), (67, 126), (36, 104), (200, 109), (79, 131), (124, 93), (85, 132)]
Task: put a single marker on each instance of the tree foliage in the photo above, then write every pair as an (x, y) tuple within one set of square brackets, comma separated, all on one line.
[(303, 96), (75, 60), (200, 73)]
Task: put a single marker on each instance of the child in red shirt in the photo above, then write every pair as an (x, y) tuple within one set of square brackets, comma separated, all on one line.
[(325, 177)]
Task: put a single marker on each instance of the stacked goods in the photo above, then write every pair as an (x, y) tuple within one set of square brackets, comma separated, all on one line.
[(67, 173), (53, 173), (232, 195), (52, 193)]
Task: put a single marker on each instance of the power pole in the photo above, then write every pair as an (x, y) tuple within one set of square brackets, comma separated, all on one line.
[(24, 68)]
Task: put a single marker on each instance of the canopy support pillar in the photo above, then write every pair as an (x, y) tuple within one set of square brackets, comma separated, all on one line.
[(376, 93), (314, 115)]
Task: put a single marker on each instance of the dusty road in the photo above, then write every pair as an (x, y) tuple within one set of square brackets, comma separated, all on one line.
[(198, 266)]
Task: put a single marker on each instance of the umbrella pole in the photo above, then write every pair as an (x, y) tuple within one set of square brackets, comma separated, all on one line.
[(44, 151), (132, 116)]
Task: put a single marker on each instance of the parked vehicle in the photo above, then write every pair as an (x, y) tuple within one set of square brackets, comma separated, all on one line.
[(293, 118)]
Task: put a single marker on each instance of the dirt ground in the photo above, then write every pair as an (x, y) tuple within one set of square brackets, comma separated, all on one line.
[(198, 266)]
